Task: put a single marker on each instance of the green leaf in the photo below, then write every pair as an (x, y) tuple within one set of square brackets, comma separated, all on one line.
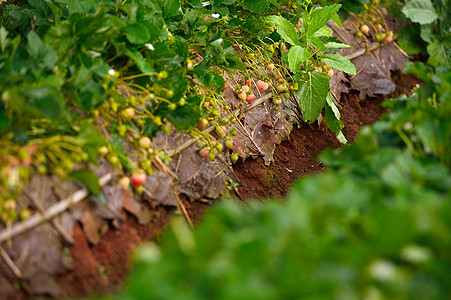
[(338, 62), (409, 40), (296, 56), (50, 107), (335, 45), (332, 119), (137, 33), (35, 46), (3, 38), (324, 31), (312, 95), (86, 26), (142, 64), (284, 28), (171, 8), (320, 16), (440, 54), (420, 11), (256, 6), (337, 20), (317, 43), (88, 178)]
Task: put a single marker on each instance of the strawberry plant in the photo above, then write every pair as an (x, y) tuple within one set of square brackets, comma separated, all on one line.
[(80, 79)]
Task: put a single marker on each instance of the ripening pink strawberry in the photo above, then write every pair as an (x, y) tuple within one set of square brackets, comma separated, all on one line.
[(365, 29), (388, 38), (262, 86), (270, 67), (204, 152), (245, 88)]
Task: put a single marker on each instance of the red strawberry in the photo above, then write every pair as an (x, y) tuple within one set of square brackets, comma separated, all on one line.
[(224, 88), (250, 98), (138, 179), (249, 81)]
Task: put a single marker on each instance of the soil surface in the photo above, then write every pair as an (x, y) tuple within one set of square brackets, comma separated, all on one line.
[(103, 267)]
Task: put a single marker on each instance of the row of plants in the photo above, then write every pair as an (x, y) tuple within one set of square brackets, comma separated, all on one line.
[(375, 225), (81, 78)]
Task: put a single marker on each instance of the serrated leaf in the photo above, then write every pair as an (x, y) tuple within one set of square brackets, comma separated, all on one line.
[(256, 6), (439, 53), (320, 16), (335, 45), (88, 178), (317, 43), (137, 33), (284, 28), (312, 95), (296, 56), (324, 31), (337, 20), (142, 64), (171, 8), (420, 11), (338, 62)]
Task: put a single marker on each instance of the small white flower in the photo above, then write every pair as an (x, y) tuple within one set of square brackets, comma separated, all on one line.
[(150, 46), (383, 270), (111, 72), (215, 15)]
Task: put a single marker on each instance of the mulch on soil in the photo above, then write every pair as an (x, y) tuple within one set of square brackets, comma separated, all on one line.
[(103, 267)]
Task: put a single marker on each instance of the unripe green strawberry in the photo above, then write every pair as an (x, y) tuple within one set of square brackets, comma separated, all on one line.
[(212, 154), (277, 101), (219, 147), (229, 143), (234, 157), (281, 88), (121, 129), (103, 151), (242, 95), (157, 120)]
